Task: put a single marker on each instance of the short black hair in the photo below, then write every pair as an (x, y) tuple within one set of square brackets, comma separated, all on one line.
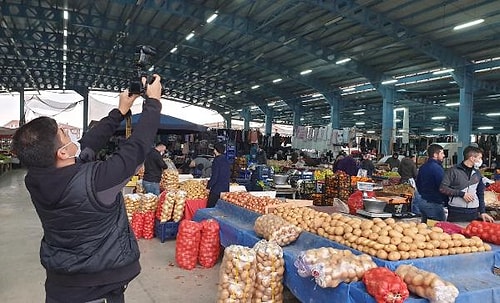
[(433, 148), (36, 143), (219, 147), (470, 151)]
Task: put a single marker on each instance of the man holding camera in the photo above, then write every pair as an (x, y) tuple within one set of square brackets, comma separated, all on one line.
[(88, 250)]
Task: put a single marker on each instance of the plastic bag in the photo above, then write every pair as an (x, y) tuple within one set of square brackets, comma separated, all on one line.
[(355, 201), (187, 244), (274, 228)]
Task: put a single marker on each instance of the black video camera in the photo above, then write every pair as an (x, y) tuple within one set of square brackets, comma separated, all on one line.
[(143, 68)]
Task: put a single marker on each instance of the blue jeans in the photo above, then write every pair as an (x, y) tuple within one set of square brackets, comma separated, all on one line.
[(415, 203), (429, 210), (151, 187)]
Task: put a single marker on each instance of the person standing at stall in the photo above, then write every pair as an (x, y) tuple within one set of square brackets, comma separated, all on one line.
[(88, 249), (429, 177), (407, 168), (221, 175), (153, 169), (463, 185)]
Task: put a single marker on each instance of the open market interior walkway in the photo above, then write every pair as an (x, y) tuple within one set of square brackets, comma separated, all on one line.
[(22, 276)]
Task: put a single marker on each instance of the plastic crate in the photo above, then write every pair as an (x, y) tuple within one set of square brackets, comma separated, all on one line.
[(166, 230)]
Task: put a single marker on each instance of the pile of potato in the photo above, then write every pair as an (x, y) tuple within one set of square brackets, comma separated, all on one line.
[(132, 204), (173, 206), (169, 179), (195, 189), (330, 266), (274, 228), (427, 284), (237, 275), (385, 239), (246, 200), (270, 269)]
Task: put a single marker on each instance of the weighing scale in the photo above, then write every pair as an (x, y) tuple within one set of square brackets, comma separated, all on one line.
[(365, 187)]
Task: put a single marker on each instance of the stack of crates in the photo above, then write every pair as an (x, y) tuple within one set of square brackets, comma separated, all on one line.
[(166, 230)]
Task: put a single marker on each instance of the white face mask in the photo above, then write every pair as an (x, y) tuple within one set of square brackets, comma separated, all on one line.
[(478, 164), (78, 148)]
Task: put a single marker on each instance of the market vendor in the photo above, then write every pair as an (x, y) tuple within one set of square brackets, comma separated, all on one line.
[(465, 189), (221, 175)]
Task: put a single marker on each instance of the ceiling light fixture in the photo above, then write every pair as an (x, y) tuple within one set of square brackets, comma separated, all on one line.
[(277, 80), (358, 113), (237, 92), (305, 72), (389, 81), (65, 33), (360, 123), (438, 129), (438, 118), (222, 96), (443, 71), (173, 50), (271, 103), (349, 89), (326, 117), (397, 120), (255, 86), (468, 24), (212, 18), (493, 114), (343, 61), (191, 35), (485, 127), (66, 15), (453, 104), (370, 131), (317, 95)]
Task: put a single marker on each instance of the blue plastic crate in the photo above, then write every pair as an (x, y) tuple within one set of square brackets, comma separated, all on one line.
[(166, 230)]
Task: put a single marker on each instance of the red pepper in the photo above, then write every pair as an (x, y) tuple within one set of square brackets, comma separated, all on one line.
[(385, 286)]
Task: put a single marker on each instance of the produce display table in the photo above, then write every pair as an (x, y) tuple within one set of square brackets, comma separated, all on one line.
[(192, 206), (471, 273)]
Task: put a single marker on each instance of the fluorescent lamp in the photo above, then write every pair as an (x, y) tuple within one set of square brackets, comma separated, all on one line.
[(343, 61), (255, 86), (65, 46), (210, 100), (66, 15), (316, 95), (65, 33), (370, 131), (271, 103), (222, 96), (212, 18), (358, 113), (389, 81), (191, 35), (360, 123), (325, 117), (439, 129), (277, 80), (349, 89), (237, 92), (305, 72), (173, 50), (485, 127), (444, 71), (65, 58), (397, 120), (493, 114), (453, 104), (468, 24), (438, 118)]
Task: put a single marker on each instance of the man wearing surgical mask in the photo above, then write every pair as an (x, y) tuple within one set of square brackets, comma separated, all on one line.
[(465, 189), (88, 249)]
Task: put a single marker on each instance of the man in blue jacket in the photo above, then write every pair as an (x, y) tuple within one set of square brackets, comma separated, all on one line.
[(430, 175), (221, 175), (88, 249)]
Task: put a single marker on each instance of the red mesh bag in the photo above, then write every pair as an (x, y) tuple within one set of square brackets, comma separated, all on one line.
[(209, 243), (187, 244)]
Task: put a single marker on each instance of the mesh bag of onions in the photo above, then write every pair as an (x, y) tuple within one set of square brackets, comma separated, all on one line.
[(270, 269), (237, 275), (274, 228)]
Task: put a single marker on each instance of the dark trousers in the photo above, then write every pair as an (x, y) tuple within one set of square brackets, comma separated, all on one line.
[(112, 293), (457, 214), (213, 197)]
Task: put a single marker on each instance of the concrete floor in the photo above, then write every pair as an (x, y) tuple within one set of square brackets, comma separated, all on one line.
[(22, 276)]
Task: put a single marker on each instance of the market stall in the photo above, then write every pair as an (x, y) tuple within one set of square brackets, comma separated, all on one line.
[(476, 282)]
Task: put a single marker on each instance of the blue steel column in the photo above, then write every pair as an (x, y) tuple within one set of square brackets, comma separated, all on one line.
[(465, 111), (269, 120), (22, 116), (297, 114), (388, 95), (334, 100), (85, 95), (227, 120), (245, 113)]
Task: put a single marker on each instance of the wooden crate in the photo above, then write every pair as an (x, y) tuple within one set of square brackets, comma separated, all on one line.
[(289, 203)]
